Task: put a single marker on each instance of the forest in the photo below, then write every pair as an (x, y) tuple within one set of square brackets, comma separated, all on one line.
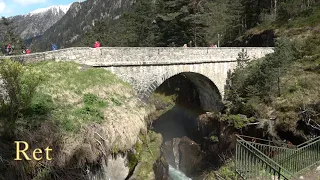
[(201, 22)]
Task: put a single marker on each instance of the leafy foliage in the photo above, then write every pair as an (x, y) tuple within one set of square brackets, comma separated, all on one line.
[(238, 121), (17, 92)]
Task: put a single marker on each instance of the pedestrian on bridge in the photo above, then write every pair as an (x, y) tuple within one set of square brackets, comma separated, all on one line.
[(9, 49), (54, 47), (97, 44)]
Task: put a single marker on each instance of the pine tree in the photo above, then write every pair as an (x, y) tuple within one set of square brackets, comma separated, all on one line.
[(181, 21)]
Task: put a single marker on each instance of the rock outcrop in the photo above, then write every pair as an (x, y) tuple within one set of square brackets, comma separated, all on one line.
[(185, 155)]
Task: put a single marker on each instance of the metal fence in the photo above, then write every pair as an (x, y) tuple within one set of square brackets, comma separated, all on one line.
[(262, 159)]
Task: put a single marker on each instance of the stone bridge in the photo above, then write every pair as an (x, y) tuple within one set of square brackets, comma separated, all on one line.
[(146, 68)]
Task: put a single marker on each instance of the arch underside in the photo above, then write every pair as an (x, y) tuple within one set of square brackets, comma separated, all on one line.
[(209, 78), (209, 94)]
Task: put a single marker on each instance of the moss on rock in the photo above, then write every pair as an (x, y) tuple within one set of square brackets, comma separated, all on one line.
[(149, 154)]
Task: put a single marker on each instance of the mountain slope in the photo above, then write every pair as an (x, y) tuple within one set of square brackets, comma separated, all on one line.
[(80, 18), (38, 21)]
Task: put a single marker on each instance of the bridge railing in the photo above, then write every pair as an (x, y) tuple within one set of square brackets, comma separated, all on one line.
[(304, 156), (290, 158), (251, 163)]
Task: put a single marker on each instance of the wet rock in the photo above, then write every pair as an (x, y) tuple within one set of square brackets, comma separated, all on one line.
[(161, 169), (167, 150), (208, 124), (176, 152), (227, 138), (185, 155), (192, 158)]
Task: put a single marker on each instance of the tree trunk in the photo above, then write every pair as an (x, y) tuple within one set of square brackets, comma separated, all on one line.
[(275, 7), (195, 37)]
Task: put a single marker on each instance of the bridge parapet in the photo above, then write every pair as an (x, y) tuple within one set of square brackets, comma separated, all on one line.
[(139, 56)]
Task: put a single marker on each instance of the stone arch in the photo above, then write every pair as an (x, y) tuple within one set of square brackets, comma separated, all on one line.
[(209, 94)]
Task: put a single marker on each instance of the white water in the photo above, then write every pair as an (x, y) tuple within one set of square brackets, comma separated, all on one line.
[(176, 174)]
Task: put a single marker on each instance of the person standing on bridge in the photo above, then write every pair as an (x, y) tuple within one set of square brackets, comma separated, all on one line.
[(54, 47), (97, 44), (9, 49)]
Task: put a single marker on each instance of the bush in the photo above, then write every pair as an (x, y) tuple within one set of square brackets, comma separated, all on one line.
[(238, 121), (17, 91), (41, 104)]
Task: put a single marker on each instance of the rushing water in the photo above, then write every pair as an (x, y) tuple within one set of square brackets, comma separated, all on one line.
[(176, 174)]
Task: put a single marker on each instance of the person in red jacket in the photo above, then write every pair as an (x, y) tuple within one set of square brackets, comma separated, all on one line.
[(28, 51), (97, 44), (9, 49)]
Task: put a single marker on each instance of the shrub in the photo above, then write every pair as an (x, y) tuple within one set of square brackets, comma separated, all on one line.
[(238, 121), (41, 104), (17, 91)]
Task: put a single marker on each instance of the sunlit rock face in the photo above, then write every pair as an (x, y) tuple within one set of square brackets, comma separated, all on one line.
[(38, 21), (185, 155), (117, 168), (113, 167)]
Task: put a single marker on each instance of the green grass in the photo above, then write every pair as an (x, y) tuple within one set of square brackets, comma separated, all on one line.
[(69, 77), (76, 96)]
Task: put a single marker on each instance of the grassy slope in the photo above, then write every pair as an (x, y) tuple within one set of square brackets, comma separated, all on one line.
[(68, 83), (96, 114), (84, 96)]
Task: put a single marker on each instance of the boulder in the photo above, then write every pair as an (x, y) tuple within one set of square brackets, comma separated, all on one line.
[(192, 159)]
